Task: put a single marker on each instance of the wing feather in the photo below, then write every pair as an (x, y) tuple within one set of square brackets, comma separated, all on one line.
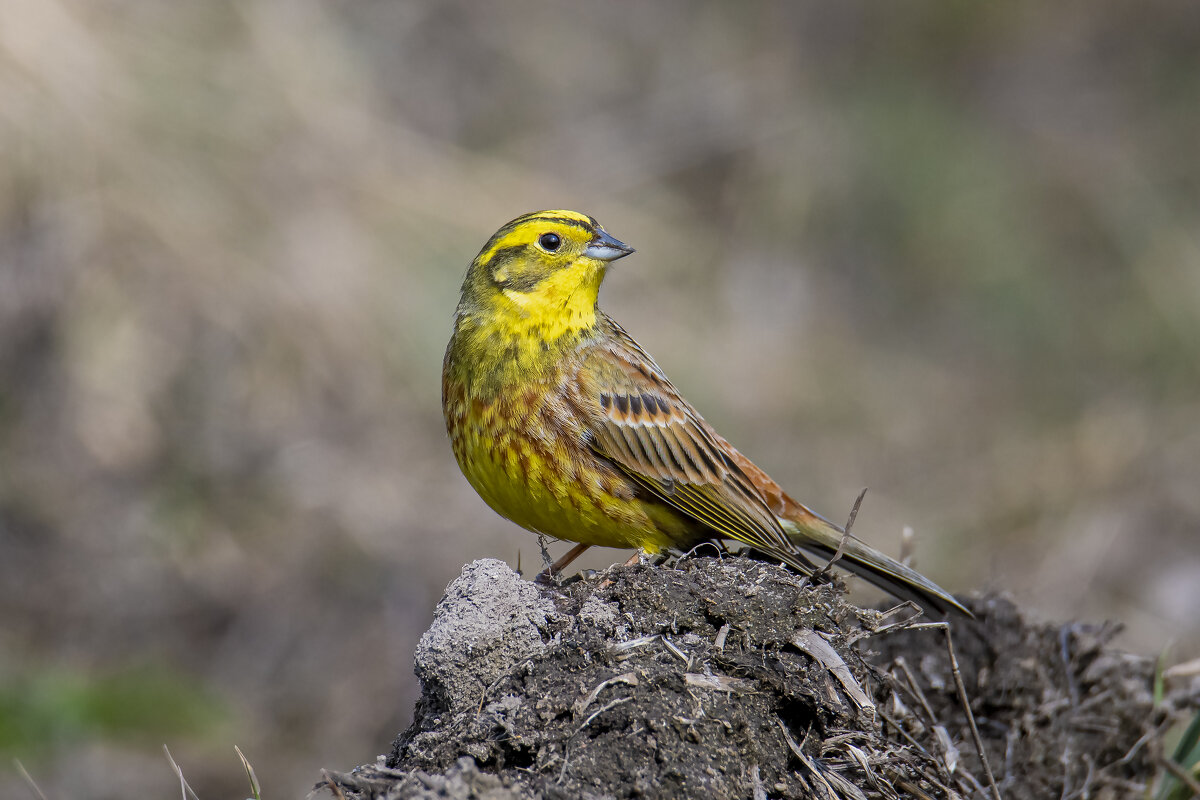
[(640, 422), (686, 469), (635, 418)]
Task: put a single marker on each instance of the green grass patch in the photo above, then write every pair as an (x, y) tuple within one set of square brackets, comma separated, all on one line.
[(51, 708)]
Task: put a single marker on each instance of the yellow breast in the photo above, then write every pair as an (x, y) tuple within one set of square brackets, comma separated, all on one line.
[(523, 453)]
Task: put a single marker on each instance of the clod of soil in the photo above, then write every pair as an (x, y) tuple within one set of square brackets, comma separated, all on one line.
[(733, 678)]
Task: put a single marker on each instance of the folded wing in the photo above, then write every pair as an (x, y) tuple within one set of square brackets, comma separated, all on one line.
[(640, 423)]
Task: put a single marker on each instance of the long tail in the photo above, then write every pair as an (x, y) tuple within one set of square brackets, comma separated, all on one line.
[(819, 536)]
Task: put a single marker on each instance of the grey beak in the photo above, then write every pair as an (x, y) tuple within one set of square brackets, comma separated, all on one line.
[(605, 248)]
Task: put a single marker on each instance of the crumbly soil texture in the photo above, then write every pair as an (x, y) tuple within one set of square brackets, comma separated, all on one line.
[(734, 678)]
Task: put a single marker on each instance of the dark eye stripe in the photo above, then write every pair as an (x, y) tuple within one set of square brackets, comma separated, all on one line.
[(504, 254), (492, 260)]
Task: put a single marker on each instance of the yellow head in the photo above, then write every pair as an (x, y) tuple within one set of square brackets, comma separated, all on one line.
[(542, 270)]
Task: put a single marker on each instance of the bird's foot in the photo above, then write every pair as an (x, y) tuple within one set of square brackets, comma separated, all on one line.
[(550, 574)]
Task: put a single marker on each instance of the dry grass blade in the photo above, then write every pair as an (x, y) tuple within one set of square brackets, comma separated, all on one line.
[(675, 651), (255, 787), (585, 701), (720, 683), (28, 778), (633, 644), (914, 790), (879, 784), (184, 789), (949, 751), (822, 780), (811, 643)]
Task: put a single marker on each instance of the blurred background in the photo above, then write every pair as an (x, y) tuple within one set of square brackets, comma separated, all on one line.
[(949, 251)]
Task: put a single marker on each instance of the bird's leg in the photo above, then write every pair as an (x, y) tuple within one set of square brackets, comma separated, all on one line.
[(553, 569), (572, 554), (547, 561)]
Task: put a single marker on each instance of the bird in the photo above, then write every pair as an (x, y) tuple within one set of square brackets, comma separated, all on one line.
[(566, 426)]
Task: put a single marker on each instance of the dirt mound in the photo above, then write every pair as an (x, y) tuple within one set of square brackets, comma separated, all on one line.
[(729, 678)]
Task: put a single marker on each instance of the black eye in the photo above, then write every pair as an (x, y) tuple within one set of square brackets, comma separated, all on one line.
[(549, 241)]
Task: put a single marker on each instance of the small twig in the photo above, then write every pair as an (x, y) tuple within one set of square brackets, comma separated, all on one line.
[(562, 773), (966, 705), (1010, 748), (689, 553), (908, 737), (854, 510), (971, 779), (600, 711), (1086, 789), (581, 705), (868, 632), (902, 624), (1145, 739), (791, 743), (841, 548), (488, 689), (916, 690), (913, 789), (1064, 651), (1101, 699), (333, 787)]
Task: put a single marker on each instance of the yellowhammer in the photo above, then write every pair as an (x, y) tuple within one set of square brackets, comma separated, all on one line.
[(567, 427)]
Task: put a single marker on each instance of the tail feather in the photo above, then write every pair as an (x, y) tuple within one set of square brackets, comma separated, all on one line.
[(823, 538)]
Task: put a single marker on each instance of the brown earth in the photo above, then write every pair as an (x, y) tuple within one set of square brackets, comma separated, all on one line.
[(730, 678)]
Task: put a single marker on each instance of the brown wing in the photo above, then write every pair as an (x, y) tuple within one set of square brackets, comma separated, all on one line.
[(639, 421)]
